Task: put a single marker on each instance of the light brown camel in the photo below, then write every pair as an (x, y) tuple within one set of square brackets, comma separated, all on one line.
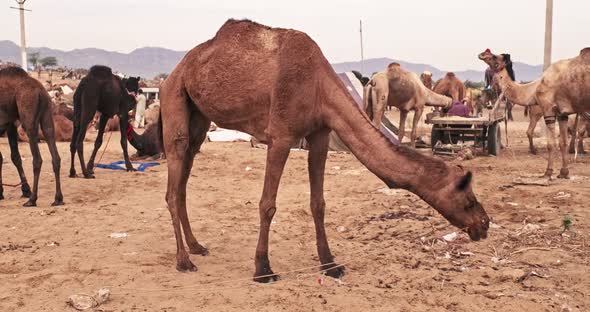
[(63, 128), (23, 98), (403, 89), (426, 78), (583, 132), (451, 86), (297, 95), (563, 89)]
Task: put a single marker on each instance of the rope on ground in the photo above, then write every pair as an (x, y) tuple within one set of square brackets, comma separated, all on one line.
[(204, 287), (105, 147), (12, 185)]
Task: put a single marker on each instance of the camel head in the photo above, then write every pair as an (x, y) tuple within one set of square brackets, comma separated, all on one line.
[(498, 63), (457, 203), (132, 84), (426, 78)]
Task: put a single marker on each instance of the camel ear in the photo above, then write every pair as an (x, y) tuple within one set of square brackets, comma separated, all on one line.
[(465, 181)]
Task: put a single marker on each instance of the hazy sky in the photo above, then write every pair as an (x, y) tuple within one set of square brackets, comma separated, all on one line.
[(447, 34)]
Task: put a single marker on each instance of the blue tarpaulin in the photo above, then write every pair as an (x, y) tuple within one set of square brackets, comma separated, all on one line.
[(120, 165)]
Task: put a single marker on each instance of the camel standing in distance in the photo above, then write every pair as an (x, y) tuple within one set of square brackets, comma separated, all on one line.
[(563, 89), (24, 98), (426, 78), (403, 89), (100, 91), (451, 86), (297, 96)]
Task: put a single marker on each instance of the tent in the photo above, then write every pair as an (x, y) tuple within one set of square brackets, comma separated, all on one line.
[(354, 86)]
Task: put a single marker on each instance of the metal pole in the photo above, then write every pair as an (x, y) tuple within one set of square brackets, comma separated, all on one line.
[(23, 41), (362, 55), (548, 33)]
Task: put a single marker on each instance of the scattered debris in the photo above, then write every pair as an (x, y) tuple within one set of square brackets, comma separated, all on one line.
[(51, 244), (248, 168), (341, 229), (567, 222), (494, 226), (336, 167), (85, 302), (562, 195), (450, 237), (530, 181), (529, 274), (118, 235)]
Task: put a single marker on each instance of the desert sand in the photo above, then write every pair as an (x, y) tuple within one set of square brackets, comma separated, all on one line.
[(389, 240)]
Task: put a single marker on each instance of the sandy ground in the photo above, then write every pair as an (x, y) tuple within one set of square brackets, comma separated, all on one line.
[(390, 241)]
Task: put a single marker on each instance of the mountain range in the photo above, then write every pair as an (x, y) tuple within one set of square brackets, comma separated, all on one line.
[(150, 61)]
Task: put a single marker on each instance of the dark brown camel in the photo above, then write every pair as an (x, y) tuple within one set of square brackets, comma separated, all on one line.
[(23, 98), (297, 96), (11, 133), (148, 143), (100, 91)]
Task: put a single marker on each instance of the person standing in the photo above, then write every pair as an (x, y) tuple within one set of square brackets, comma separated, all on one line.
[(140, 110)]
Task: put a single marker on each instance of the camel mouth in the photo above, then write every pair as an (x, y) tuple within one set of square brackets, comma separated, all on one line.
[(478, 232)]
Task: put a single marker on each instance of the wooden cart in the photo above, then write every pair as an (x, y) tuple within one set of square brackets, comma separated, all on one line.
[(484, 131)]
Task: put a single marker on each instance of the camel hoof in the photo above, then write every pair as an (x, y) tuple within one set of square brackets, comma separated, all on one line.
[(186, 266), (334, 270), (131, 169), (1, 197), (266, 277), (197, 249), (58, 203), (89, 176), (26, 191), (563, 173), (533, 151), (73, 174), (30, 203), (548, 173)]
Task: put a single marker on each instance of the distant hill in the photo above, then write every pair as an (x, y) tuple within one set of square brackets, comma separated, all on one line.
[(150, 61)]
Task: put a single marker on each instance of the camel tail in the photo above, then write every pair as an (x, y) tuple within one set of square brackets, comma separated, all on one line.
[(161, 134)]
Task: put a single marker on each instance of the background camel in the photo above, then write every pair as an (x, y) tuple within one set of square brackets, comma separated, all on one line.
[(148, 143), (23, 98), (404, 90), (451, 86), (426, 78), (100, 91), (563, 89), (63, 128), (298, 95), (583, 132)]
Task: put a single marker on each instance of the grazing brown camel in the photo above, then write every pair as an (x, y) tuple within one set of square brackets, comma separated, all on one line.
[(563, 89), (451, 86), (298, 95), (23, 98), (426, 78), (100, 91), (403, 89)]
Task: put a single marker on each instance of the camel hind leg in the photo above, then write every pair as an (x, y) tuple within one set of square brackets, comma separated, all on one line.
[(184, 130), (533, 120), (98, 143), (12, 134), (48, 129)]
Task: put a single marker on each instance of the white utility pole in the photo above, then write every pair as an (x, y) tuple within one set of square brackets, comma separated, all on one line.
[(362, 54), (23, 41), (548, 33)]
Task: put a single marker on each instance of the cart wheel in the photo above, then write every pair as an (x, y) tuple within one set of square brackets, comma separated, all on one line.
[(494, 139), (435, 136)]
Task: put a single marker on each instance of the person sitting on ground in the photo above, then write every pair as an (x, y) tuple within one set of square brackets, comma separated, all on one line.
[(140, 110)]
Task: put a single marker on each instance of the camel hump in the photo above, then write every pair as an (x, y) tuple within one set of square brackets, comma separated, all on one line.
[(393, 64), (585, 53), (13, 71), (100, 71), (450, 75)]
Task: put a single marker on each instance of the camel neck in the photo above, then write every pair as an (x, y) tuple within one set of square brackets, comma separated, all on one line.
[(521, 94), (435, 99), (397, 166)]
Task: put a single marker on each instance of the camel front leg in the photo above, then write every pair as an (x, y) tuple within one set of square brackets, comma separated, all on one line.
[(48, 131), (402, 124), (12, 134), (278, 152), (417, 115), (318, 152), (98, 143), (123, 124), (564, 171), (550, 123)]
